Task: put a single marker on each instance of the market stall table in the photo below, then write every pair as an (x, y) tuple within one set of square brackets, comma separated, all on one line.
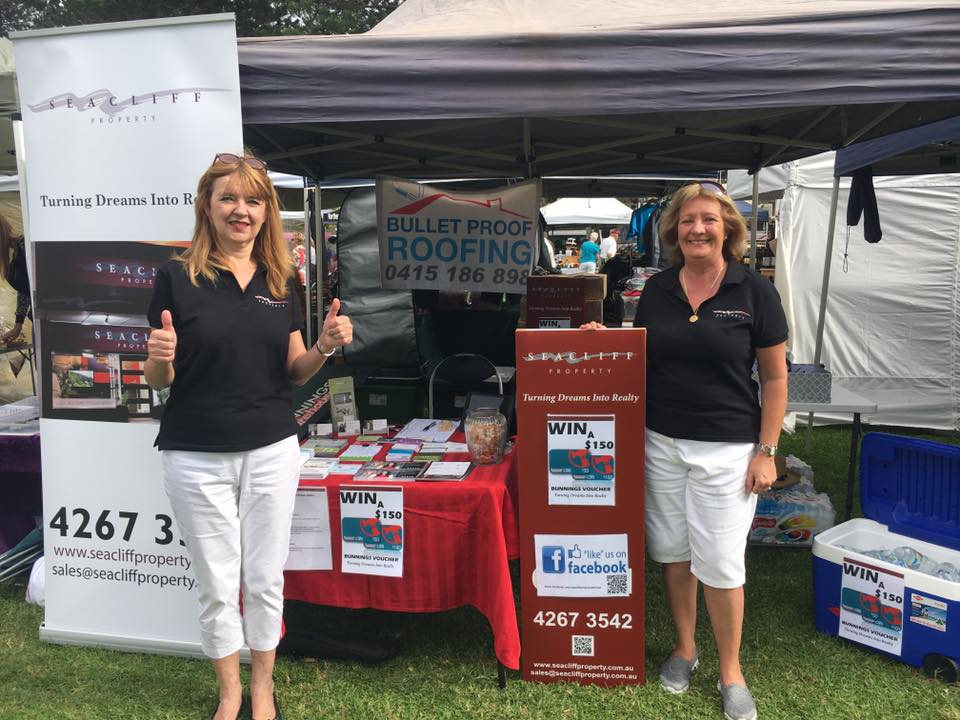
[(842, 401), (458, 539), (25, 351)]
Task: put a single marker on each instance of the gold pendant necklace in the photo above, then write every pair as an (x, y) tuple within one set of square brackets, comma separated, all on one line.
[(696, 310)]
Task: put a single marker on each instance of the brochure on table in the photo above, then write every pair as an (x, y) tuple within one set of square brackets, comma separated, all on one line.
[(442, 470), (428, 430), (390, 470)]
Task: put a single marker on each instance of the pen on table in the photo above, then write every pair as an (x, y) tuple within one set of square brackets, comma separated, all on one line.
[(430, 425)]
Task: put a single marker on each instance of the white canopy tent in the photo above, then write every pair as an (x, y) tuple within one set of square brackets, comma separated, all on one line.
[(586, 211), (891, 330)]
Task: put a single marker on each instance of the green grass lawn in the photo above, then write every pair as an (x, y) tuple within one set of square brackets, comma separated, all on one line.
[(446, 667)]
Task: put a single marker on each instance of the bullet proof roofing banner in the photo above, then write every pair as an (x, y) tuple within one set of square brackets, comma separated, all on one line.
[(119, 122), (435, 239)]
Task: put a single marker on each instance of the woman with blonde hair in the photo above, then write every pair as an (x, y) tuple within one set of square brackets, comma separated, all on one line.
[(227, 343), (710, 444)]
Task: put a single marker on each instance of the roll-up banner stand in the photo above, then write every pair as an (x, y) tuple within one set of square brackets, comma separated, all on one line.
[(581, 397), (119, 122)]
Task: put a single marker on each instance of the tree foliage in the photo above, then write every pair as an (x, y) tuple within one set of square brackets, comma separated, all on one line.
[(20, 15), (253, 17), (335, 17)]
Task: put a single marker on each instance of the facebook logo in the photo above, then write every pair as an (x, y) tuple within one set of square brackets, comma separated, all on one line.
[(553, 559)]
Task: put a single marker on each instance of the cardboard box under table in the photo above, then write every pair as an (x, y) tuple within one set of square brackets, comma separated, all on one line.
[(564, 301), (909, 493)]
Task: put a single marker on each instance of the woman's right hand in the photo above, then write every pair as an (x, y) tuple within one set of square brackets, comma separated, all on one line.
[(162, 345), (593, 325)]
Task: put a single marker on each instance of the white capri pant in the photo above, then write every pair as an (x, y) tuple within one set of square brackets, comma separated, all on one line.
[(698, 508), (234, 511)]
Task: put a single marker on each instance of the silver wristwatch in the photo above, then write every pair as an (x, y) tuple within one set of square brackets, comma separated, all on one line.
[(768, 450)]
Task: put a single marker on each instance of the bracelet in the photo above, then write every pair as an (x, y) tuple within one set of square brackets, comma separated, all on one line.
[(767, 450), (325, 354)]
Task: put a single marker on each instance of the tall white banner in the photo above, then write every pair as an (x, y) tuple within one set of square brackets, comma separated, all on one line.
[(119, 122), (437, 239)]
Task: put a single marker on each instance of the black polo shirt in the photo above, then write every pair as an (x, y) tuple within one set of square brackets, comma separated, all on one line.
[(230, 391), (699, 384)]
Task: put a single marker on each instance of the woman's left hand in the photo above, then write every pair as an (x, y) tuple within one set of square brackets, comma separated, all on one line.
[(337, 329), (761, 474)]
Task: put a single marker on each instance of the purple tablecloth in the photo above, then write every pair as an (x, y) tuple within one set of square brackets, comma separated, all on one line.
[(21, 499)]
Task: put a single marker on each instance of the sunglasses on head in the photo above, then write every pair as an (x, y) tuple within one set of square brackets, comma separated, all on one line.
[(710, 186), (231, 159)]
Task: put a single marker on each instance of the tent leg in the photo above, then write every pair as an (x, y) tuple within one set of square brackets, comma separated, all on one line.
[(501, 676), (309, 248), (855, 432), (754, 213), (825, 287)]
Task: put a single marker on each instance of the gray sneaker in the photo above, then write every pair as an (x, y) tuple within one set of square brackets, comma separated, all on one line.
[(737, 702), (675, 673)]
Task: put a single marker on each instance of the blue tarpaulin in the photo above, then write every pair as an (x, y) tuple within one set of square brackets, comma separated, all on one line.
[(746, 209)]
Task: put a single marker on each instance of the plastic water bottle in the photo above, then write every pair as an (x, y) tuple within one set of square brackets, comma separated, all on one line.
[(906, 557), (885, 555), (947, 571)]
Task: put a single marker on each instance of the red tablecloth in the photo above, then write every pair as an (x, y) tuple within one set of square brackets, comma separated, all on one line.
[(458, 537)]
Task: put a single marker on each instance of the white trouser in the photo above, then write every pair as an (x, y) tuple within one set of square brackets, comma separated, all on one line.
[(698, 507), (234, 511), (588, 267)]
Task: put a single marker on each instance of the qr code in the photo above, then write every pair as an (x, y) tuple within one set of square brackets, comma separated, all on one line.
[(617, 584), (583, 645)]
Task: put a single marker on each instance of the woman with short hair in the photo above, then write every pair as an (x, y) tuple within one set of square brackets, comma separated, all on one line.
[(710, 444)]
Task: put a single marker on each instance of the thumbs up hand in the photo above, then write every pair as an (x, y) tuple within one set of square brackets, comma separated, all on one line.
[(337, 329), (162, 345)]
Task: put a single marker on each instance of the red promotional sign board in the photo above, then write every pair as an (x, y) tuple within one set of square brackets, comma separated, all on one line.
[(581, 397)]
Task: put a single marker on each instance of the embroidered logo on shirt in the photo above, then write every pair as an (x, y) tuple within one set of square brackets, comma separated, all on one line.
[(263, 300), (731, 314)]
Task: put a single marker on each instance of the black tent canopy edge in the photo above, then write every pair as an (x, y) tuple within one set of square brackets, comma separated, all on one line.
[(666, 99)]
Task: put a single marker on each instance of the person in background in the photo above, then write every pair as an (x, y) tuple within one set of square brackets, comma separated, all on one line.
[(227, 342), (710, 444), (608, 246), (589, 251), (13, 269)]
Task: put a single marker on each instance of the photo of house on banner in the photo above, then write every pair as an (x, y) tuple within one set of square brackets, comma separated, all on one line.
[(92, 365), (91, 308)]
